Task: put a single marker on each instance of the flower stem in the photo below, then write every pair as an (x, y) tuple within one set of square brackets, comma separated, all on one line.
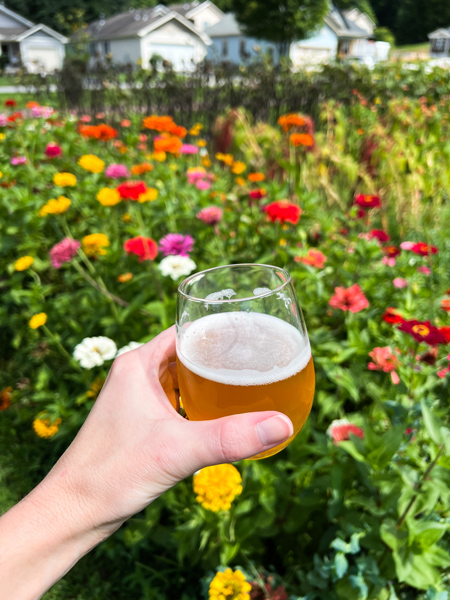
[(61, 348)]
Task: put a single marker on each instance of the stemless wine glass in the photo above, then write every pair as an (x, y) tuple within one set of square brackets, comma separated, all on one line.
[(242, 346)]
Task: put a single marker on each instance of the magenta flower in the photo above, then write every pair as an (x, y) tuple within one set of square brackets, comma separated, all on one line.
[(389, 261), (424, 269), (18, 160), (400, 282), (53, 150), (177, 244), (407, 245), (202, 184), (42, 111), (3, 120), (63, 251), (188, 149), (200, 178), (210, 215), (116, 171)]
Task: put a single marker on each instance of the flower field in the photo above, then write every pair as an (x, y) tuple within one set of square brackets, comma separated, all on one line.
[(102, 218)]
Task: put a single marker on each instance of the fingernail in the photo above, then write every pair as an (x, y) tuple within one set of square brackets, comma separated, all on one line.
[(275, 430)]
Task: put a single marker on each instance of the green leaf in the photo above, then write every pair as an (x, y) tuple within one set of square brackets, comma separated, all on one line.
[(340, 564), (444, 461), (392, 536), (427, 533), (389, 444), (340, 545), (433, 425)]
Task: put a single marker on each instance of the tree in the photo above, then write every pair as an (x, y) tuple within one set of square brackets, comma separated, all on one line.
[(280, 21)]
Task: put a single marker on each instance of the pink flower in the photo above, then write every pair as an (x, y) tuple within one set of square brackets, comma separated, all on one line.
[(18, 160), (85, 119), (116, 171), (202, 184), (53, 150), (424, 269), (64, 251), (389, 261), (314, 258), (200, 178), (407, 245), (340, 430), (400, 282), (385, 360), (210, 215), (188, 149), (443, 372), (176, 243), (142, 137), (351, 299), (42, 112), (125, 123), (3, 120)]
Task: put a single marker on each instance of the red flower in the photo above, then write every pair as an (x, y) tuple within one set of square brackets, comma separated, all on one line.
[(340, 431), (351, 299), (283, 211), (423, 249), (131, 190), (10, 102), (53, 150), (145, 248), (445, 331), (424, 332), (445, 304), (379, 234), (314, 258), (391, 316), (366, 201), (257, 194), (391, 251)]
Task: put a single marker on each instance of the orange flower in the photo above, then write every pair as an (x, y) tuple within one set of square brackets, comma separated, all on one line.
[(98, 132), (291, 120), (32, 104), (141, 169), (302, 139), (5, 398), (168, 144), (256, 177), (124, 277), (164, 124)]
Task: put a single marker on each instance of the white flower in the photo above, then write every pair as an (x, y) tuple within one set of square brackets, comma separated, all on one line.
[(92, 352), (128, 347), (176, 266)]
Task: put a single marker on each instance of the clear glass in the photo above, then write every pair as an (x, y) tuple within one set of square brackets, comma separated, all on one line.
[(242, 345)]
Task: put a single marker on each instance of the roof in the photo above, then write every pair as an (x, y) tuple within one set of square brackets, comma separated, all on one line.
[(342, 26), (228, 26), (45, 29), (440, 33), (9, 34), (15, 16), (138, 23), (190, 9), (353, 14), (25, 28)]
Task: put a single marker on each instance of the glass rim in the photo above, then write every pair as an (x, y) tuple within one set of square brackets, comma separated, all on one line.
[(232, 300)]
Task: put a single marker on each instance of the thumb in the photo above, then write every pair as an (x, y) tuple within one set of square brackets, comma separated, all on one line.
[(233, 438)]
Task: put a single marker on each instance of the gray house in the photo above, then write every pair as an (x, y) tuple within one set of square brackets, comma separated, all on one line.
[(37, 47), (439, 42)]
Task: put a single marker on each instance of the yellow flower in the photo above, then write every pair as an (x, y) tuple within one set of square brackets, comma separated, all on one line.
[(23, 263), (55, 207), (238, 167), (2, 136), (202, 143), (123, 149), (126, 218), (240, 181), (1, 174), (108, 197), (124, 277), (91, 163), (96, 387), (159, 156), (44, 428), (148, 196), (225, 158), (206, 162), (95, 243), (229, 585), (64, 179), (282, 242), (195, 129), (37, 320), (216, 487)]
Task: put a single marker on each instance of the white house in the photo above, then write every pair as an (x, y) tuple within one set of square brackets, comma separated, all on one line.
[(138, 34), (202, 14), (37, 47), (440, 42)]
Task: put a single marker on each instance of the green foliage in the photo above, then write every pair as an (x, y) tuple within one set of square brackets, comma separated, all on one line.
[(383, 34)]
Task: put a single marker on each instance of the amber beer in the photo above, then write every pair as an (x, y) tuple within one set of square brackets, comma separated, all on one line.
[(239, 362)]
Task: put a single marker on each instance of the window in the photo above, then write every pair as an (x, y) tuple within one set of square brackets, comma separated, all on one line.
[(106, 47), (92, 49), (225, 48), (345, 47), (242, 49), (438, 45)]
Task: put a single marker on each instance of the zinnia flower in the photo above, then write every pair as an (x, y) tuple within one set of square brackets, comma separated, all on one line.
[(131, 190), (229, 585), (291, 120), (188, 149), (176, 266), (55, 207), (367, 201), (340, 430), (379, 235), (23, 263), (256, 177), (384, 360), (149, 195), (238, 167), (351, 299), (143, 247), (423, 249), (302, 139), (400, 282), (38, 320), (423, 332), (314, 258), (108, 197), (124, 277), (445, 303), (283, 211), (424, 269), (391, 251), (257, 194), (117, 171), (167, 144), (5, 398), (45, 427), (92, 352), (141, 169), (91, 163), (64, 180), (98, 132), (95, 244), (216, 487), (53, 150), (18, 160), (10, 102), (392, 316), (210, 215), (177, 244), (128, 348), (64, 251)]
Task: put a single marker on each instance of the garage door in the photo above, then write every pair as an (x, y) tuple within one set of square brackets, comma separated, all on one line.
[(302, 56), (181, 57), (43, 59)]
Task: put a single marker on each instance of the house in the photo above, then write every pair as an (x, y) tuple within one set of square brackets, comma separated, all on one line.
[(22, 43), (202, 14), (133, 37), (439, 42)]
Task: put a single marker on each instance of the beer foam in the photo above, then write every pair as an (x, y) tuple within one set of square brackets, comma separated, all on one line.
[(239, 348)]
